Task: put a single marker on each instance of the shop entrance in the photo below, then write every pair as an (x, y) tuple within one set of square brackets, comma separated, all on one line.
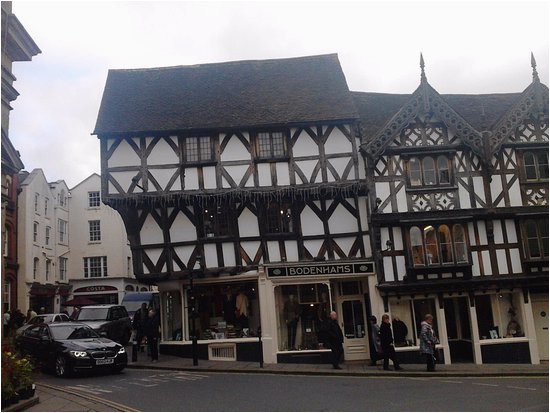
[(540, 314), (459, 332), (353, 318)]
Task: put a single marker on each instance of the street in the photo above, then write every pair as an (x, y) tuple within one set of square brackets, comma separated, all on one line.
[(153, 390)]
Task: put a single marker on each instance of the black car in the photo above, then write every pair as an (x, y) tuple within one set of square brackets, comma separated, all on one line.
[(67, 348), (109, 320)]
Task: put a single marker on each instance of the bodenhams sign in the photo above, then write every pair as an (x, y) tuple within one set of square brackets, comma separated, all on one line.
[(320, 269)]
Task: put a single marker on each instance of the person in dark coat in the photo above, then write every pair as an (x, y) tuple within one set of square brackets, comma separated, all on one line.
[(152, 331), (374, 342), (138, 325), (400, 332), (386, 340), (336, 338)]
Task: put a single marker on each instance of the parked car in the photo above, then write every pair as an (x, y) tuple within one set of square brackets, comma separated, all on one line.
[(133, 301), (67, 348), (108, 320), (43, 318)]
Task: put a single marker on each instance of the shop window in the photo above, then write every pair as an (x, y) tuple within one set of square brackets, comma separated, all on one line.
[(198, 149), (94, 199), (437, 245), (302, 312), (225, 311), (172, 326), (429, 171), (536, 165), (402, 323), (279, 217), (536, 238), (271, 145), (420, 309), (218, 221), (499, 316)]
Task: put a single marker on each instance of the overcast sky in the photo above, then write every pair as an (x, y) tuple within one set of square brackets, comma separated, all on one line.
[(468, 47)]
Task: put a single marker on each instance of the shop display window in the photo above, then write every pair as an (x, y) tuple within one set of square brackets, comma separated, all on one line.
[(302, 311), (499, 316), (172, 316), (225, 311), (407, 317)]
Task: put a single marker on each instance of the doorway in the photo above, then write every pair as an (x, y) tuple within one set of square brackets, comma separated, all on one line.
[(353, 318), (459, 331), (540, 315)]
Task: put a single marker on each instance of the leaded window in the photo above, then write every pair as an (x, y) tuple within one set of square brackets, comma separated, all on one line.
[(198, 149), (433, 245), (429, 171), (536, 165), (536, 237), (279, 217), (271, 145), (217, 221)]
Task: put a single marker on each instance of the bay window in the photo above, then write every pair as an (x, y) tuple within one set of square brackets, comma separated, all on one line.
[(536, 165), (536, 238), (429, 171), (441, 244)]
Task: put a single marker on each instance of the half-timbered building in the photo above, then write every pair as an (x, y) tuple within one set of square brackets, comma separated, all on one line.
[(458, 194), (243, 194)]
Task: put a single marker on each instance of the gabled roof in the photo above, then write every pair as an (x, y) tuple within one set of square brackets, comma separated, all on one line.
[(225, 95), (94, 175)]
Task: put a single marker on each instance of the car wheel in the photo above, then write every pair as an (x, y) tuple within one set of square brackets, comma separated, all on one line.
[(61, 367)]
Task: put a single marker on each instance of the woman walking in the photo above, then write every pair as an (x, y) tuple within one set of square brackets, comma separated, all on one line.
[(427, 342)]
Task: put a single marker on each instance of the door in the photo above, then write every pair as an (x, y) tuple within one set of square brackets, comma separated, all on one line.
[(459, 334), (353, 322), (540, 315)]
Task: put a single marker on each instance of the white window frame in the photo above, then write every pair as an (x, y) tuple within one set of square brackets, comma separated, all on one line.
[(36, 201), (94, 230), (48, 268), (35, 231), (93, 198), (35, 267), (46, 207), (95, 263), (62, 227), (47, 235), (63, 264)]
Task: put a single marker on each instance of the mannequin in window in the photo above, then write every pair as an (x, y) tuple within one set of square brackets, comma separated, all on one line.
[(291, 314), (241, 309), (228, 307), (514, 328), (400, 332)]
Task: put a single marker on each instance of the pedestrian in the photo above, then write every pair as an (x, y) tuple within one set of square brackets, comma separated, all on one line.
[(152, 331), (386, 340), (138, 327), (30, 314), (42, 310), (75, 313), (336, 338), (6, 324), (374, 342), (428, 341), (18, 318)]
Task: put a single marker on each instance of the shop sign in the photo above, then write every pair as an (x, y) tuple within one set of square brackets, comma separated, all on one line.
[(95, 289), (321, 269)]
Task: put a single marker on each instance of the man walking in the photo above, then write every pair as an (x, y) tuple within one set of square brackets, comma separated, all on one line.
[(386, 340), (152, 330), (138, 325), (336, 338), (374, 342)]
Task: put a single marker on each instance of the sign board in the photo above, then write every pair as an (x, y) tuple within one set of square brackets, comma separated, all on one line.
[(320, 269), (95, 289)]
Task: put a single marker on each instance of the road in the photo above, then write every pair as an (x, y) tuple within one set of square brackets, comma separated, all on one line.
[(150, 390)]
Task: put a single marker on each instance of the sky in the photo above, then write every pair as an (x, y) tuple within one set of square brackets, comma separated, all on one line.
[(468, 47)]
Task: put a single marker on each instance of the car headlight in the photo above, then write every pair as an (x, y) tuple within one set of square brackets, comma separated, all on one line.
[(79, 354), (122, 350)]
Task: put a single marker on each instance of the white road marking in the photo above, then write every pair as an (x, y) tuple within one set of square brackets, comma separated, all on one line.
[(451, 381), (486, 384), (88, 389), (521, 388), (416, 378), (143, 385)]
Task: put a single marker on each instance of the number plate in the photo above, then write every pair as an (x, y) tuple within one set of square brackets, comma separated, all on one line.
[(104, 361)]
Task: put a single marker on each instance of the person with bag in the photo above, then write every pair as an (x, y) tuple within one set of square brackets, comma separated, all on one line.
[(386, 341), (428, 340)]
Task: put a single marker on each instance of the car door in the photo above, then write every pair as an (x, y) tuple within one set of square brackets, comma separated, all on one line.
[(30, 341)]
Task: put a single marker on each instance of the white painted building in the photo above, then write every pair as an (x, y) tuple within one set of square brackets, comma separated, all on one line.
[(43, 222), (100, 262)]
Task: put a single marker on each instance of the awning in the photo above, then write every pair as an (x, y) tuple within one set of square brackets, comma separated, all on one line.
[(47, 290)]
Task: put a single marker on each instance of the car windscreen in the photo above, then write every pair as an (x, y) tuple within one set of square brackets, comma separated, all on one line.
[(89, 314), (72, 332)]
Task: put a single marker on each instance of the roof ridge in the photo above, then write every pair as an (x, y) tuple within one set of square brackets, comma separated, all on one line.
[(231, 62)]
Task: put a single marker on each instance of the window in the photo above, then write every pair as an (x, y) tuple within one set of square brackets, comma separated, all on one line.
[(47, 235), (217, 221), (536, 165), (35, 231), (62, 198), (303, 309), (128, 265), (46, 201), (499, 316), (271, 145), (439, 244), (94, 199), (95, 267), (35, 268), (279, 217), (536, 238), (6, 296), (94, 230), (36, 197), (62, 228), (5, 245), (172, 325), (63, 264), (429, 171), (198, 149), (48, 268)]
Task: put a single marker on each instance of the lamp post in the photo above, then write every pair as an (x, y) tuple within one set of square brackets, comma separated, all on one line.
[(194, 345)]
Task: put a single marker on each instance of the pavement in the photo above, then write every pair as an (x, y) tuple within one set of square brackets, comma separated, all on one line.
[(349, 368)]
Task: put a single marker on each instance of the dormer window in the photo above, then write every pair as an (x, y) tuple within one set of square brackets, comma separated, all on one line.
[(429, 171)]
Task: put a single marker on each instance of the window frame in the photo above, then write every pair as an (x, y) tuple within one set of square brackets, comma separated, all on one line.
[(538, 224), (35, 225), (437, 171), (259, 157), (62, 229), (35, 267), (94, 233), (197, 139), (534, 152), (100, 264), (47, 235), (451, 226), (93, 198), (63, 266), (36, 202), (230, 229), (278, 205)]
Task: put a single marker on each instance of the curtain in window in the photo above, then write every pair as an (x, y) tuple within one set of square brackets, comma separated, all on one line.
[(460, 243), (429, 171), (414, 172), (417, 248), (445, 244), (432, 252), (443, 169)]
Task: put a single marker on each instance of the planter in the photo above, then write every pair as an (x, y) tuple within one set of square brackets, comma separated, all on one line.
[(27, 392)]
